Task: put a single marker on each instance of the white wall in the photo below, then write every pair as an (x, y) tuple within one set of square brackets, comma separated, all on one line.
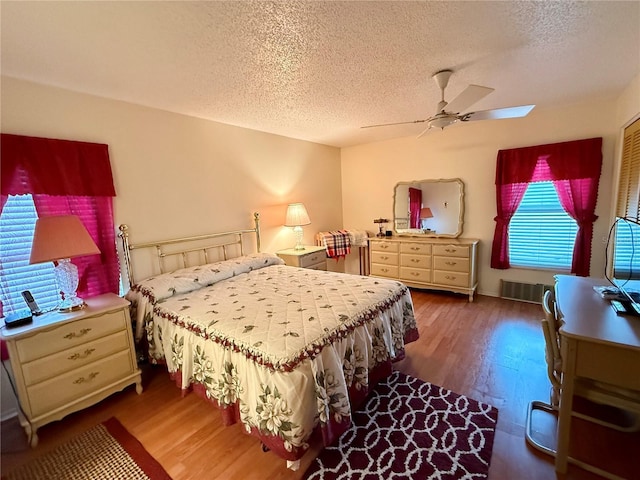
[(177, 175), (468, 151)]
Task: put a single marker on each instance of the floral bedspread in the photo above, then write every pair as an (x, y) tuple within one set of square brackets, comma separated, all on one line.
[(283, 350)]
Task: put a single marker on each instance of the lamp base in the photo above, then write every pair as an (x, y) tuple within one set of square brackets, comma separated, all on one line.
[(298, 232), (67, 278), (67, 307)]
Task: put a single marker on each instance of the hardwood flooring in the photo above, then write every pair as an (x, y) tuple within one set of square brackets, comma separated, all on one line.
[(491, 350)]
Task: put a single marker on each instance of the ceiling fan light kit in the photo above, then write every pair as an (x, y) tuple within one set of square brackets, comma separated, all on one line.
[(472, 94)]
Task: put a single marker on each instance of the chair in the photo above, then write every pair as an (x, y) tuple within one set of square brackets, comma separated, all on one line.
[(622, 406)]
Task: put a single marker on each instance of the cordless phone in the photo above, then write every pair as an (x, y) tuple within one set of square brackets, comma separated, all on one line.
[(31, 303)]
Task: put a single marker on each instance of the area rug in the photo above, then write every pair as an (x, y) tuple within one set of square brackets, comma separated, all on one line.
[(105, 452), (409, 428)]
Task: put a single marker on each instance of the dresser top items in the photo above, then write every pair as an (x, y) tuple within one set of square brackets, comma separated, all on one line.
[(430, 240)]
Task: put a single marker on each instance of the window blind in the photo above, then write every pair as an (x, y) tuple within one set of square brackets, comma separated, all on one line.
[(628, 201), (627, 251), (17, 224), (626, 260), (541, 233)]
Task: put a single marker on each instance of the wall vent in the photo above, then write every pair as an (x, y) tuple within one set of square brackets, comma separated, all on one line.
[(523, 292)]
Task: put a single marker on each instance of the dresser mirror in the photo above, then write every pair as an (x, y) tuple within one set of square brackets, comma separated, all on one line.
[(432, 208)]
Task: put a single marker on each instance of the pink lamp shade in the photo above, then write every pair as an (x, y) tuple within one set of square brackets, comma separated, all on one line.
[(58, 239), (426, 213)]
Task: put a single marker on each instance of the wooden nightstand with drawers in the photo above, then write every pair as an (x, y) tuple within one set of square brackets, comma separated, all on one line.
[(311, 257), (64, 362)]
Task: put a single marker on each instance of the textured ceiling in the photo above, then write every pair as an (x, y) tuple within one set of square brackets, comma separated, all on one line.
[(319, 71)]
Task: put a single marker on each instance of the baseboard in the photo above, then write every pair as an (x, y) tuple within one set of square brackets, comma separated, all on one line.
[(8, 414)]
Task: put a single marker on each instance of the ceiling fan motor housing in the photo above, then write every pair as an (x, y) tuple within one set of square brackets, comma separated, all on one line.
[(442, 120)]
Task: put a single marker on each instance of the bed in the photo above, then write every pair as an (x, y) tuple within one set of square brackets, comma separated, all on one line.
[(285, 351)]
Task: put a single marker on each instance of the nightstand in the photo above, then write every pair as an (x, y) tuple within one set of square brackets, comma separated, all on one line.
[(311, 257), (64, 362)]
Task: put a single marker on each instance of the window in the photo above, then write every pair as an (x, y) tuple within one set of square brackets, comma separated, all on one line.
[(57, 177), (17, 223), (627, 239), (541, 233), (627, 251), (574, 168)]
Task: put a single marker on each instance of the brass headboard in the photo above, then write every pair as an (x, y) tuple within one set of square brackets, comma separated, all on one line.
[(235, 238)]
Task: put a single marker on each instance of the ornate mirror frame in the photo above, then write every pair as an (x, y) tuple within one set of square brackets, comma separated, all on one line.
[(445, 200)]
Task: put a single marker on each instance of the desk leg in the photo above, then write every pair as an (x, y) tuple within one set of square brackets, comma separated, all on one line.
[(566, 403)]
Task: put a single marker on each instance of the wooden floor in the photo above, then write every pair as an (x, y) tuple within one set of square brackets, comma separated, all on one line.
[(491, 350)]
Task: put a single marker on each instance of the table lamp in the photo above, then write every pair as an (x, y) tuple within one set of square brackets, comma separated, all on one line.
[(297, 216), (425, 212), (58, 239), (382, 222)]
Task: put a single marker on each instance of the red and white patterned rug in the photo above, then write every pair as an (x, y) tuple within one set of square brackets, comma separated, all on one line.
[(410, 428)]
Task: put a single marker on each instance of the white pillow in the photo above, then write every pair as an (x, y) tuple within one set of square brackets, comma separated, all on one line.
[(186, 280)]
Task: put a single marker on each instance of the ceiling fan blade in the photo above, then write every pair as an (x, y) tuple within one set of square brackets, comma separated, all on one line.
[(397, 123), (425, 131), (499, 113), (469, 96)]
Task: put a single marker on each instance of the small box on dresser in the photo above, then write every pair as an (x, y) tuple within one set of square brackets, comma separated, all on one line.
[(425, 262), (312, 257), (64, 362)]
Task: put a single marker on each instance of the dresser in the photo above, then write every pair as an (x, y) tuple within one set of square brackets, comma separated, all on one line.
[(64, 362), (431, 263), (313, 257)]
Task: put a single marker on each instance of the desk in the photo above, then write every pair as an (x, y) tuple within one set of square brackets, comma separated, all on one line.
[(596, 343)]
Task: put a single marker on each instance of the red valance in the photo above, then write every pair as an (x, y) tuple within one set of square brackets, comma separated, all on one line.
[(567, 161), (54, 167)]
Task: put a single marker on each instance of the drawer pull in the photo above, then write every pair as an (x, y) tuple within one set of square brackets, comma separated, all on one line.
[(449, 277), (384, 269), (384, 246), (78, 356), (384, 257), (415, 249), (313, 259), (451, 250), (414, 260), (90, 377), (415, 274), (83, 332), (450, 263)]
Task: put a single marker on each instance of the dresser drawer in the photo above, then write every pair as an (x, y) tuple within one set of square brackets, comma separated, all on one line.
[(415, 261), (69, 335), (415, 248), (449, 278), (384, 270), (415, 274), (66, 360), (71, 386), (451, 250), (382, 246), (453, 264), (385, 258)]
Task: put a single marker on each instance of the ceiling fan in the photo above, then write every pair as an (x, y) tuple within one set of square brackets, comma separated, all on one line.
[(472, 94)]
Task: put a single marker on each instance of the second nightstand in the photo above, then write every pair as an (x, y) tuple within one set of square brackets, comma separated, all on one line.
[(311, 257)]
